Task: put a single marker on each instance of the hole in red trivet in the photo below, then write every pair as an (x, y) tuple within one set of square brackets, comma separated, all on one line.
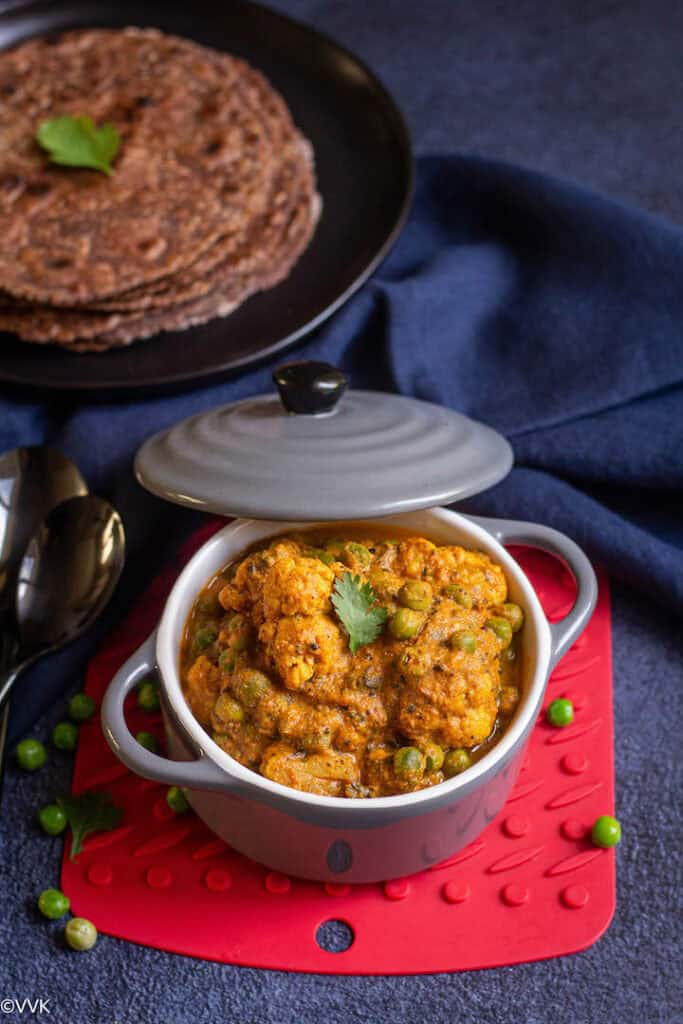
[(334, 936)]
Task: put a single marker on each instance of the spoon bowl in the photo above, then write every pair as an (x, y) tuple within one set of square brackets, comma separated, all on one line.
[(66, 577)]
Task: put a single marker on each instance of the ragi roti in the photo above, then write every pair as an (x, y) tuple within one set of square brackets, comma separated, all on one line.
[(213, 195)]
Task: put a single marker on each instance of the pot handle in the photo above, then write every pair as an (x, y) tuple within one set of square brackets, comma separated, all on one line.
[(564, 632), (199, 774)]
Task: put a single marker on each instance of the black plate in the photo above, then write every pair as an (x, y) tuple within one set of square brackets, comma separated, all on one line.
[(365, 176)]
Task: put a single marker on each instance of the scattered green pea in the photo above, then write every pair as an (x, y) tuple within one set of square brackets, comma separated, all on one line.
[(148, 696), (606, 831), (434, 756), (31, 755), (80, 934), (65, 736), (176, 800), (465, 641), (148, 741), (455, 762), (52, 819), (204, 636), (459, 595), (502, 628), (416, 594), (560, 712), (405, 623), (409, 762), (81, 707), (53, 903)]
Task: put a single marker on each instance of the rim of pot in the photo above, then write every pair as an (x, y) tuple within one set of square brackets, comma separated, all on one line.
[(173, 621)]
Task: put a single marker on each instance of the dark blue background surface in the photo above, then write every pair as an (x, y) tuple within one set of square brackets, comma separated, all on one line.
[(552, 313)]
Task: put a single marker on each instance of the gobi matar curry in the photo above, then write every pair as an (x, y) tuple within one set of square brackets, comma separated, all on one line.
[(354, 667)]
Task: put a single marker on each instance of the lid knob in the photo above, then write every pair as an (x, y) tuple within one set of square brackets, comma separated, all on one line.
[(308, 387)]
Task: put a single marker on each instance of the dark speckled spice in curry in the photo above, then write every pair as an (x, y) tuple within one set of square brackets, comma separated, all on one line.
[(268, 671)]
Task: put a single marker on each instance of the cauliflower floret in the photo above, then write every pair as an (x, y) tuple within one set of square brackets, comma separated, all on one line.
[(454, 707), (297, 586), (299, 647), (203, 687), (413, 556), (472, 570), (246, 586)]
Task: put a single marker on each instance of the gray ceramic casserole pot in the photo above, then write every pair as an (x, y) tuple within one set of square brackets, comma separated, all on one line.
[(333, 838)]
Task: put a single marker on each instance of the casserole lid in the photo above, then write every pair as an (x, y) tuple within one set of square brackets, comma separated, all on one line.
[(320, 452)]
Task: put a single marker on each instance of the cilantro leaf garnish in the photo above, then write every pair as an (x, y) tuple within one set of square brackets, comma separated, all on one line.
[(89, 812), (356, 606), (77, 142)]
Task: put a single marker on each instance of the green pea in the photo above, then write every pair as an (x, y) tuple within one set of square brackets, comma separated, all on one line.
[(81, 707), (509, 699), (459, 595), (227, 709), (65, 736), (238, 628), (409, 762), (52, 819), (177, 801), (31, 755), (514, 615), (405, 623), (416, 594), (226, 661), (209, 603), (204, 636), (53, 903), (357, 552), (313, 743), (80, 934), (464, 641), (501, 628), (606, 831), (434, 756), (148, 696), (148, 741), (250, 686), (560, 712), (455, 762), (323, 556)]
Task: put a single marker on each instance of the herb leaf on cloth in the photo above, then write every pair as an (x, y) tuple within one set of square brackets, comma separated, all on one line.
[(356, 606), (78, 142), (89, 812)]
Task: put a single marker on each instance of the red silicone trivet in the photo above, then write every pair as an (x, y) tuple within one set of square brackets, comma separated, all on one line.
[(532, 886)]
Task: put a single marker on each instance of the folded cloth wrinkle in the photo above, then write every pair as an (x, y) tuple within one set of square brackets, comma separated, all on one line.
[(546, 310)]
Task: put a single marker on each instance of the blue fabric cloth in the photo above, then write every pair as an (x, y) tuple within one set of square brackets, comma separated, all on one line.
[(520, 298)]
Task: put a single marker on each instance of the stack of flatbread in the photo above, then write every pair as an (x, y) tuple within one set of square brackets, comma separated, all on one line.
[(212, 196)]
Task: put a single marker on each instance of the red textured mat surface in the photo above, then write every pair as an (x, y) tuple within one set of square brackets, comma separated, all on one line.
[(532, 886)]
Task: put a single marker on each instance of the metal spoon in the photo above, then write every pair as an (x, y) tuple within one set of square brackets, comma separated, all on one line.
[(33, 480), (67, 576)]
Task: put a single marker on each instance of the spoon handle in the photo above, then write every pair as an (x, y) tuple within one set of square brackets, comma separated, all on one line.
[(4, 726), (8, 678)]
